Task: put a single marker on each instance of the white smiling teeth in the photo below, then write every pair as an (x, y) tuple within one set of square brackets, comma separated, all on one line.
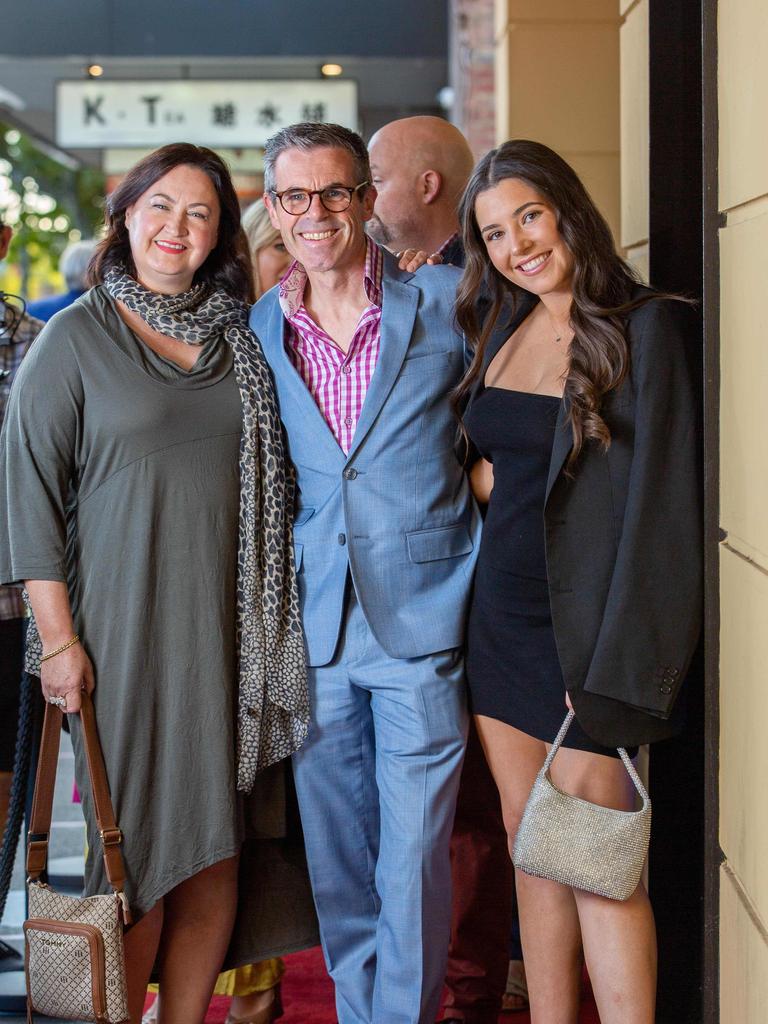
[(532, 264), (172, 245), (316, 236)]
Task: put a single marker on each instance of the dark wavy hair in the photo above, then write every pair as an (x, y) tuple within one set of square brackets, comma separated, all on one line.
[(227, 265), (602, 283)]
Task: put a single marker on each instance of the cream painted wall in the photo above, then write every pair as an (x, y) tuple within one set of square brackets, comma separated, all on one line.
[(743, 198), (557, 74), (634, 133)]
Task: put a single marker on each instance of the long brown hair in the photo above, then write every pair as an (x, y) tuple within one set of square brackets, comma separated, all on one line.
[(602, 282), (227, 265)]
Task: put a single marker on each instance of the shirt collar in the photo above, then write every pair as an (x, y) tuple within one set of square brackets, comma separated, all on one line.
[(292, 284)]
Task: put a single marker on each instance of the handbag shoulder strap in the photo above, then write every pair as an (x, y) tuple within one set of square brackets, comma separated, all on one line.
[(42, 805), (632, 771)]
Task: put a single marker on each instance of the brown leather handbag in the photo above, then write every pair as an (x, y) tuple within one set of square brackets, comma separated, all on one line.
[(75, 962)]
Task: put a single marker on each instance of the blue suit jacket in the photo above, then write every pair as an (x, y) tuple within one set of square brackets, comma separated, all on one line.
[(397, 511)]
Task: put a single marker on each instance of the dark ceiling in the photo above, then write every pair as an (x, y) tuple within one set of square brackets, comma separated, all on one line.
[(218, 28)]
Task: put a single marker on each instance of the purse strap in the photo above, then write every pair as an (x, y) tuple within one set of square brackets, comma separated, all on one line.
[(45, 780), (637, 781)]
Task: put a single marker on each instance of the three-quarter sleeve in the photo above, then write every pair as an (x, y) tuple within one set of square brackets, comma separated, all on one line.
[(39, 452)]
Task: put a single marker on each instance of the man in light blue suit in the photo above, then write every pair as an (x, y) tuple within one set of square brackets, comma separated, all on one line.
[(364, 357)]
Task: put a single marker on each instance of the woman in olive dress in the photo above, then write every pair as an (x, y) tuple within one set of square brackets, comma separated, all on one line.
[(147, 510)]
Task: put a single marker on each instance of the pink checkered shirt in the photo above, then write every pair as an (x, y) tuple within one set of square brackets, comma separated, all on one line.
[(338, 381)]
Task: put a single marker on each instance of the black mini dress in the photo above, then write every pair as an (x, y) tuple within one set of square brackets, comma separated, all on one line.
[(513, 670)]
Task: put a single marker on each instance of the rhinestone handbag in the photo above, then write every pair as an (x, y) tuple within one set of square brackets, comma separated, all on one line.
[(74, 962), (577, 843)]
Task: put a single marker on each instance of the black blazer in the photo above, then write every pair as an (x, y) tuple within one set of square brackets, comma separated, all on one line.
[(624, 534)]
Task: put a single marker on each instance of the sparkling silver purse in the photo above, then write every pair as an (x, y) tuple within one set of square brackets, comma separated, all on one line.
[(75, 961), (577, 843)]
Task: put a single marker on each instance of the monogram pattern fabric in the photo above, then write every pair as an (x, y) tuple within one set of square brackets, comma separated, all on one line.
[(273, 700), (60, 967)]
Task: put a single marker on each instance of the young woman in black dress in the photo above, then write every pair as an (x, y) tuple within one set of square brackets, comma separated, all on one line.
[(581, 403)]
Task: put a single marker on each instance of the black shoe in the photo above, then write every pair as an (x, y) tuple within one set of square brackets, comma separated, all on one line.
[(10, 958)]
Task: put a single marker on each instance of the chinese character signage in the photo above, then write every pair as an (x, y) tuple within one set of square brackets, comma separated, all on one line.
[(222, 113)]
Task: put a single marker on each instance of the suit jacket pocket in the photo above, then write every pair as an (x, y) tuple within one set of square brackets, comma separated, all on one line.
[(442, 542)]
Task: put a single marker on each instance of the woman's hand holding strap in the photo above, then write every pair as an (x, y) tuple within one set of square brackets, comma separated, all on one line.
[(66, 670)]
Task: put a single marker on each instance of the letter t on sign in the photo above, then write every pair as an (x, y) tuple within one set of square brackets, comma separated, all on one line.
[(151, 102)]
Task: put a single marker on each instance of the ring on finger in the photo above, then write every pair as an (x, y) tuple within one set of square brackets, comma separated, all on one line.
[(59, 702)]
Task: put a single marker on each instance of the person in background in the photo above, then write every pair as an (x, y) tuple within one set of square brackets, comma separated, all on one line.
[(156, 442), (581, 399), (269, 256), (420, 167), (17, 332), (364, 357), (73, 266)]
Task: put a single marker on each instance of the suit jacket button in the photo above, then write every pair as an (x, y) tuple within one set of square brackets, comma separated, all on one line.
[(349, 473), (665, 689), (342, 538)]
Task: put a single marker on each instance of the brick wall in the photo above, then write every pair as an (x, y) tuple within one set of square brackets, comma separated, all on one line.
[(471, 24)]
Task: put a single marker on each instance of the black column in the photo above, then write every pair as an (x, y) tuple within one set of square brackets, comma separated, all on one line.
[(678, 778)]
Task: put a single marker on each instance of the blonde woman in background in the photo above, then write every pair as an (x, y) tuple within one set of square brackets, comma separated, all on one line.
[(269, 257), (255, 988)]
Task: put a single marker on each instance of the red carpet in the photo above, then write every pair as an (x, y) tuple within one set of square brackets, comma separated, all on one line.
[(308, 996)]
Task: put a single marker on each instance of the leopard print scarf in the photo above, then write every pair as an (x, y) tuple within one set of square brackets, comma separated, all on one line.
[(273, 703)]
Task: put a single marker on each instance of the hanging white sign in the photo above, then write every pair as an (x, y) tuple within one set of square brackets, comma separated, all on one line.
[(97, 114)]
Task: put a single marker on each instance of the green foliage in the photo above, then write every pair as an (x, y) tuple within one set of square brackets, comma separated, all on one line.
[(47, 204)]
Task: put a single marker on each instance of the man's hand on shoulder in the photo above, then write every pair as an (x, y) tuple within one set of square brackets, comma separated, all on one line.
[(412, 259)]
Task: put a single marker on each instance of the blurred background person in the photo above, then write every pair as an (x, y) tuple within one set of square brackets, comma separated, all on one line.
[(269, 256), (73, 266), (17, 332)]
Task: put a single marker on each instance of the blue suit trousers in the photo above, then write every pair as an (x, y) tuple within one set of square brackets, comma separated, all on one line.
[(377, 780)]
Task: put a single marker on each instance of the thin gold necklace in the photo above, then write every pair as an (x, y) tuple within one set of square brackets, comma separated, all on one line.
[(558, 334)]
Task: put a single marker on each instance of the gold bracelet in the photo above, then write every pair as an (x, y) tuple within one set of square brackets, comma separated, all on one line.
[(64, 647)]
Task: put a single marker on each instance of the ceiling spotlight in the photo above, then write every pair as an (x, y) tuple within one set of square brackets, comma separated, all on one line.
[(94, 70), (331, 70)]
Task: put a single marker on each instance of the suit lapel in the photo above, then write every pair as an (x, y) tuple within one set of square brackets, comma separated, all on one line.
[(398, 314)]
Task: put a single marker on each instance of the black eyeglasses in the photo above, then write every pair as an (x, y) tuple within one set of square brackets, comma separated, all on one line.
[(334, 198)]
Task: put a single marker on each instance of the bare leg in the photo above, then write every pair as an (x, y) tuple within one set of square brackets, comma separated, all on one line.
[(141, 944), (549, 923), (620, 949), (619, 936), (199, 915)]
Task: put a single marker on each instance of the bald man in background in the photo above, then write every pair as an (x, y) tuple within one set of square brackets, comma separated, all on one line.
[(420, 166)]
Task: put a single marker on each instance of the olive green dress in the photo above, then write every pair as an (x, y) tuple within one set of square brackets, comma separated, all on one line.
[(120, 473)]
